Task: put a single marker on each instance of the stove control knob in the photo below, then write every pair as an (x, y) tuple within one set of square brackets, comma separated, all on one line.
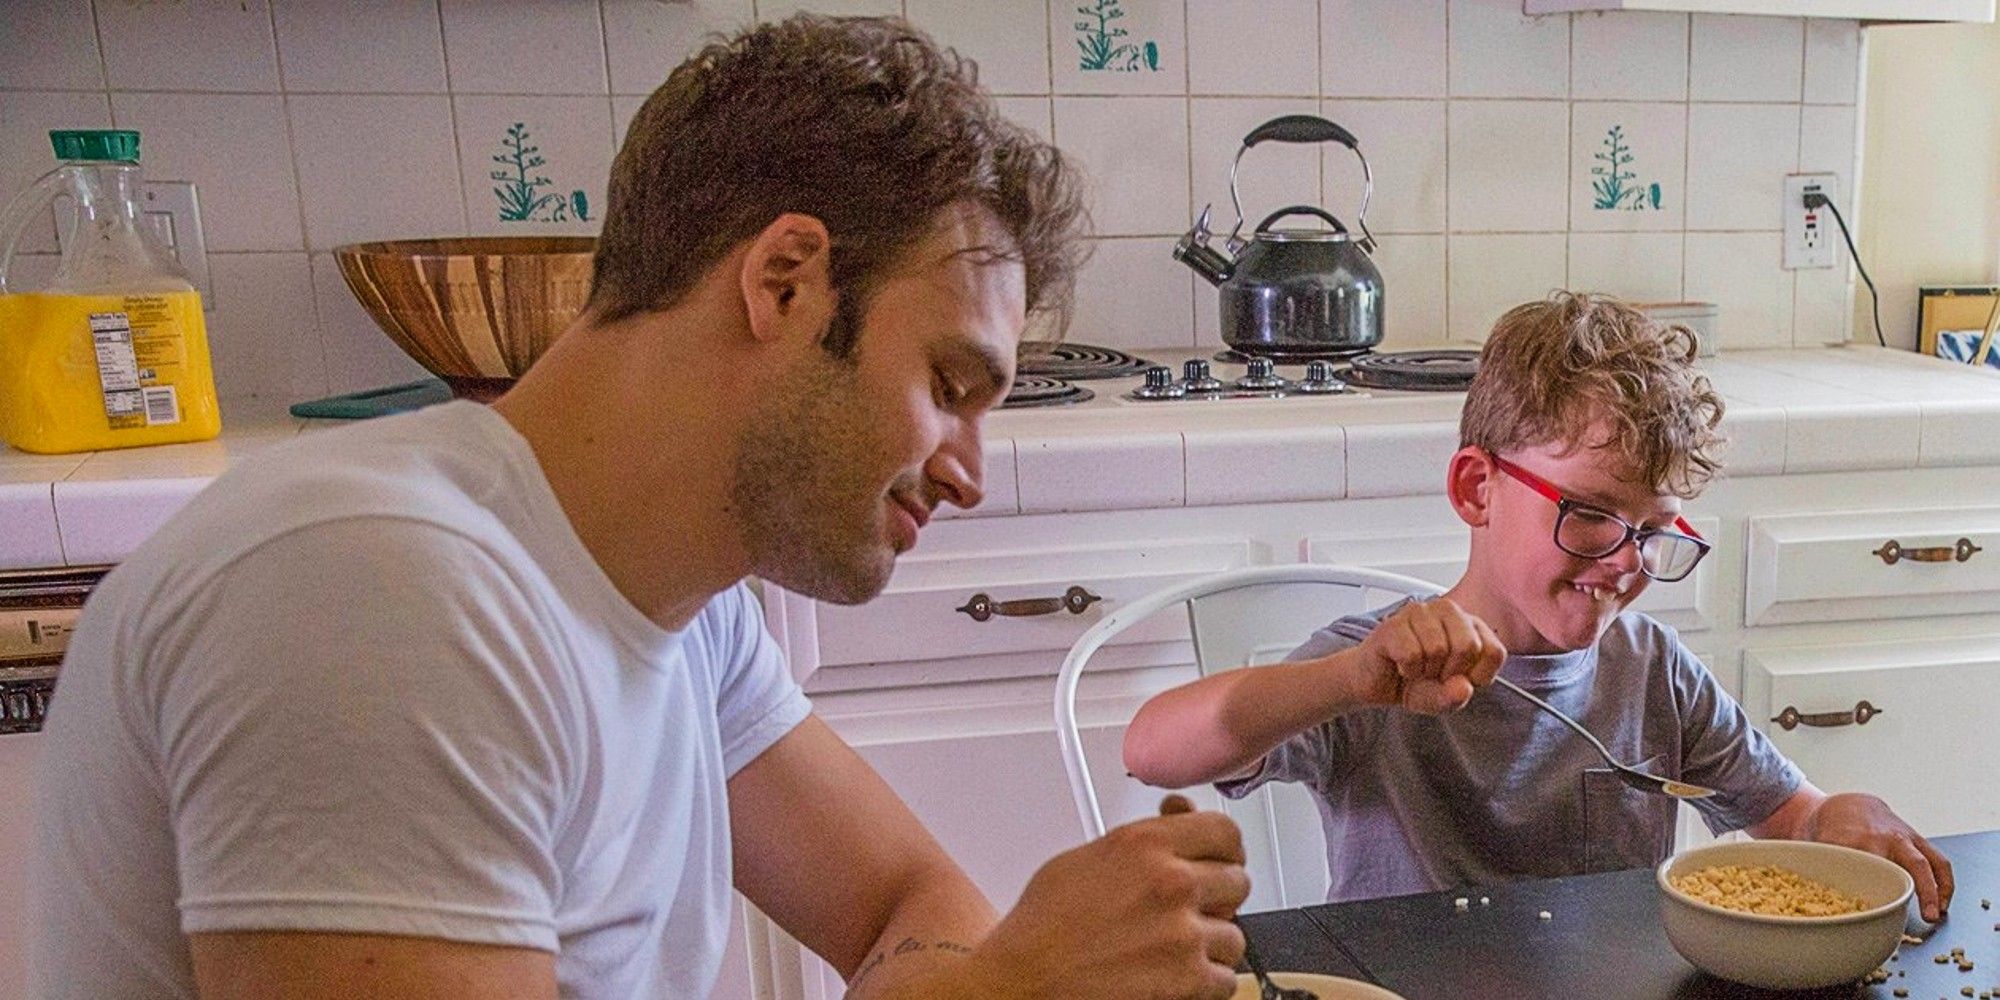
[(1319, 380), (1196, 377), (1262, 377), (1160, 384)]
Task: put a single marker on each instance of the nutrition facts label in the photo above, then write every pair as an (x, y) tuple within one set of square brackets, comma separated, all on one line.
[(118, 369)]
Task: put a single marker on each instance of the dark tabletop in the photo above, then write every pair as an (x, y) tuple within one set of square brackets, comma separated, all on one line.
[(1603, 941)]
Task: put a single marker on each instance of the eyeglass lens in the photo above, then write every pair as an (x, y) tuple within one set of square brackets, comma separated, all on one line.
[(1593, 534)]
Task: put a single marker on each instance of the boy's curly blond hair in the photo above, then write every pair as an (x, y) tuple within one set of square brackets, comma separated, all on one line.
[(1573, 364)]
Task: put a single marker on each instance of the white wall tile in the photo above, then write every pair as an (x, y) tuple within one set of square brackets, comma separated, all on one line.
[(192, 45), (1738, 155), (26, 117), (1373, 49), (1133, 152), (1629, 56), (647, 39), (1637, 267), (1496, 51), (1509, 166), (1622, 156), (1064, 474), (1740, 273), (1823, 306), (1405, 145), (1413, 290), (376, 168), (1827, 145), (358, 355), (524, 47), (1090, 57), (1272, 174), (249, 198), (1266, 466), (1253, 47), (1738, 58), (262, 332), (53, 44), (1036, 114), (380, 46), (1833, 61), (623, 108), (778, 10), (570, 135), (1132, 293), (1492, 274), (1008, 38)]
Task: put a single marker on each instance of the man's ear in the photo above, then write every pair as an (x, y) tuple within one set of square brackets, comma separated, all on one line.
[(1469, 484), (787, 278)]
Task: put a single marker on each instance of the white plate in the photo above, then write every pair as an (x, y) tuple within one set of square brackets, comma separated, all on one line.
[(1328, 987)]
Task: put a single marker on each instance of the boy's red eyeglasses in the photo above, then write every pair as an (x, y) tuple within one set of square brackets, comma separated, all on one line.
[(1588, 532)]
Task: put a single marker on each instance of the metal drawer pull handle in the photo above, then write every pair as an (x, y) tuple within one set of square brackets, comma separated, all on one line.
[(1791, 718), (982, 606), (1892, 550)]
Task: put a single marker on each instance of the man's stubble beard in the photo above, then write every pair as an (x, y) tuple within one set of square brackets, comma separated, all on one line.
[(807, 521)]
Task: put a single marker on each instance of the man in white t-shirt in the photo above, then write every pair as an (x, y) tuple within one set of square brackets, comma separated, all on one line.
[(472, 702)]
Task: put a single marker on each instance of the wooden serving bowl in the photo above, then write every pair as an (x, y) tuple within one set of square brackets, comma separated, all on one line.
[(476, 311)]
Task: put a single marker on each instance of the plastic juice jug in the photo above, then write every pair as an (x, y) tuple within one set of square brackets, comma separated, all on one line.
[(114, 352)]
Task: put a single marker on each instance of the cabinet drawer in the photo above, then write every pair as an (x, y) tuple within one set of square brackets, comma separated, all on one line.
[(921, 615), (1440, 559), (1835, 567), (1928, 746)]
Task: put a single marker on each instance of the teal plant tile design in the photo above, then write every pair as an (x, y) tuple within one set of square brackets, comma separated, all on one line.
[(1617, 188), (1101, 44), (520, 184)]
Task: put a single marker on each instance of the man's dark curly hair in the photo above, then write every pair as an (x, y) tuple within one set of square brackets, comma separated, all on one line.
[(863, 123)]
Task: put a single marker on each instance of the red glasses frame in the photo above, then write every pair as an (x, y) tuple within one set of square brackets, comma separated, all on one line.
[(1633, 533)]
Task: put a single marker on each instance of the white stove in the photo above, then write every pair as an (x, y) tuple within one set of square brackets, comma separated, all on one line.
[(1082, 375)]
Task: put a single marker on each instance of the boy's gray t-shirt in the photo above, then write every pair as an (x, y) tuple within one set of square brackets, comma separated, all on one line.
[(1501, 791)]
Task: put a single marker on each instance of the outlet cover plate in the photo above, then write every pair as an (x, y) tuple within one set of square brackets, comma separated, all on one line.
[(1812, 238)]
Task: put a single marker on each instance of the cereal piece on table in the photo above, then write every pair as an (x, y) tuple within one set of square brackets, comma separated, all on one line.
[(1485, 900), (1912, 939), (1940, 959), (1461, 904), (1965, 991), (1546, 915), (1901, 991), (1985, 904)]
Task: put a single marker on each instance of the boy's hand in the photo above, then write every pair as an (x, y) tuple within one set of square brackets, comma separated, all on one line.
[(1429, 658), (1142, 912), (1866, 823)]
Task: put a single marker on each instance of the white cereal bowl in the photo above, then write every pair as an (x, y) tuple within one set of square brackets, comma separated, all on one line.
[(1788, 953)]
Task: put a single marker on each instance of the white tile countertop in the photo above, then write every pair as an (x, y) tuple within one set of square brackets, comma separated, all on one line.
[(1789, 411)]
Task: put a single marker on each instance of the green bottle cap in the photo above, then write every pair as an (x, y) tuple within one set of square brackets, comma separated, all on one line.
[(117, 145)]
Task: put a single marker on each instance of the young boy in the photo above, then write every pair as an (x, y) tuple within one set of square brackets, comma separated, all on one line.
[(1583, 432)]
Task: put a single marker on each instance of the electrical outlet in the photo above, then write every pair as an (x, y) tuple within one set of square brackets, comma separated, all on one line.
[(1811, 234), (169, 209)]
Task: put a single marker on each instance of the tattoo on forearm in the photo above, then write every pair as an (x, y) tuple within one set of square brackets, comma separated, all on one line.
[(906, 947)]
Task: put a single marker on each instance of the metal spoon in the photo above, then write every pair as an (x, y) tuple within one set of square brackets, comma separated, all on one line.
[(1630, 775), (1269, 990)]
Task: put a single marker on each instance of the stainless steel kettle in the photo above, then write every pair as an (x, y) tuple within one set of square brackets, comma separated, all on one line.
[(1293, 292)]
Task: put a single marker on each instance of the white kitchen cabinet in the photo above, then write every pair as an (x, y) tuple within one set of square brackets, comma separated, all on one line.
[(1910, 721), (1867, 10), (1910, 562)]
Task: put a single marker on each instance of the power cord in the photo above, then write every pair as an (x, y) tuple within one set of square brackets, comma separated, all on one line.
[(1815, 199)]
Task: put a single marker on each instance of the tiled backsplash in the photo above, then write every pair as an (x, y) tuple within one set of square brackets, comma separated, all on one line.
[(1633, 153)]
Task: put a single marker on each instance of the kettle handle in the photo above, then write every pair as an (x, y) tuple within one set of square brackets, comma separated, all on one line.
[(1265, 226), (1300, 128)]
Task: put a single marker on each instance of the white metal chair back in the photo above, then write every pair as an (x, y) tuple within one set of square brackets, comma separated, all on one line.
[(1237, 618)]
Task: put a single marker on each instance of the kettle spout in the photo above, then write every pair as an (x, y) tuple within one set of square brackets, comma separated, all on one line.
[(1198, 255)]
